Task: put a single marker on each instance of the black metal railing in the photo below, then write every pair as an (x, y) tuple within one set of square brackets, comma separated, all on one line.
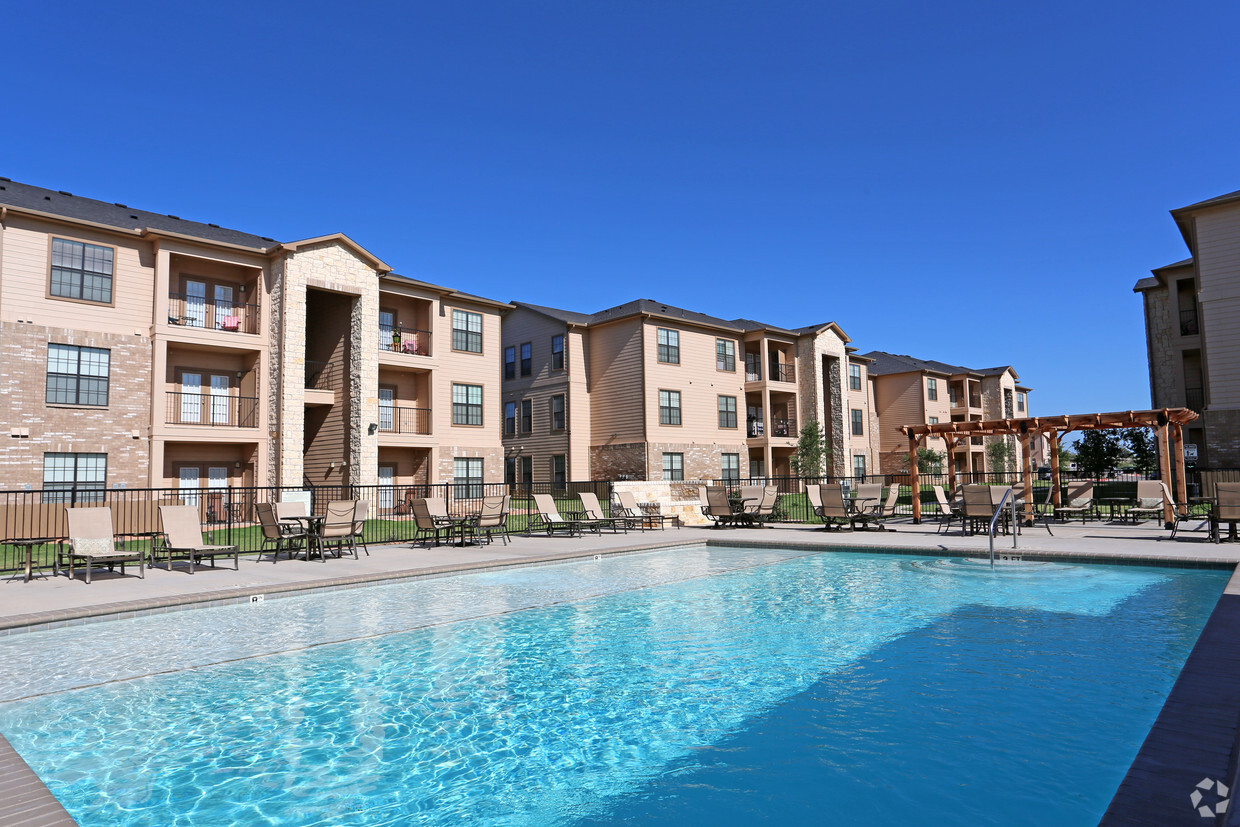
[(191, 311), (783, 372), (1195, 399), (210, 409), (323, 376), (1188, 322), (402, 419), (397, 339)]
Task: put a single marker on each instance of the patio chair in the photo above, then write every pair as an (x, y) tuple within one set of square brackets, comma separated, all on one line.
[(424, 523), (91, 541), (869, 498), (644, 519), (438, 508), (592, 509), (1226, 509), (338, 528), (491, 519), (1080, 496), (1149, 502), (828, 504), (549, 520), (716, 506), (405, 506), (360, 509), (183, 536), (888, 507), (948, 510), (978, 507), (287, 537), (286, 512), (764, 512)]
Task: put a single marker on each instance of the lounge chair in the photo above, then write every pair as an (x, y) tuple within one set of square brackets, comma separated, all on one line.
[(716, 506), (183, 536), (492, 519), (1226, 509), (592, 509), (549, 520), (287, 537), (338, 528), (91, 540), (1080, 496), (1150, 502), (948, 511), (360, 509), (644, 519)]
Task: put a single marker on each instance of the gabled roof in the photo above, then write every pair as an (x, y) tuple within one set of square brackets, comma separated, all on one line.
[(884, 364), (566, 316), (1152, 281), (40, 201), (343, 240), (1216, 201)]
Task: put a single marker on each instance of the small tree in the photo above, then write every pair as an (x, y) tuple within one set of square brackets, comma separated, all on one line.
[(930, 461), (812, 450), (999, 457), (1144, 455), (1098, 452)]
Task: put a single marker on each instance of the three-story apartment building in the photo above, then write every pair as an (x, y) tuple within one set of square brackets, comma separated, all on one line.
[(143, 349)]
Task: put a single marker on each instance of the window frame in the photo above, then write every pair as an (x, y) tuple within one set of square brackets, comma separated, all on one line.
[(68, 490), (724, 475), (666, 352), (469, 486), (468, 408), (467, 334), (51, 265), (854, 377), (561, 413), (723, 412), (932, 389), (510, 362), (677, 466), (527, 358), (557, 352), (862, 471), (725, 350), (527, 416), (1020, 402), (856, 417), (78, 377), (510, 419), (665, 411), (559, 472)]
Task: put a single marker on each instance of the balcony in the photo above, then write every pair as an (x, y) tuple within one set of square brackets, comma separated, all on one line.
[(779, 428), (409, 340), (401, 419), (197, 312), (783, 372), (212, 410), (1188, 322), (1195, 399)]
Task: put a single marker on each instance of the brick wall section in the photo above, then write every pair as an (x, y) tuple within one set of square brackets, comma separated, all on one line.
[(73, 429), (492, 462), (1223, 433), (612, 462), (701, 460)]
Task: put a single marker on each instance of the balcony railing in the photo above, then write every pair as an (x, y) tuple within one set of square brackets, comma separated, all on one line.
[(783, 372), (397, 339), (400, 419), (779, 427), (212, 409), (195, 311), (1188, 322), (1195, 399), (323, 376)]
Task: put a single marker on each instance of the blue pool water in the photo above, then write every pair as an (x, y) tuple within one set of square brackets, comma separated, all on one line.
[(692, 686)]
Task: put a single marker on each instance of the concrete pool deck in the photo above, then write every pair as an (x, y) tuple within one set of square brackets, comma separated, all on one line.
[(1193, 738)]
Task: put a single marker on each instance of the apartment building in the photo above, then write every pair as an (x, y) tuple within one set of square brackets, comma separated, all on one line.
[(646, 390), (1192, 330), (142, 349), (911, 391)]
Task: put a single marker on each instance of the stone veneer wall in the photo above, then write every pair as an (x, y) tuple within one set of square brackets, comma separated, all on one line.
[(1163, 357), (275, 371), (811, 385), (701, 460), (675, 499), (610, 462), (121, 430)]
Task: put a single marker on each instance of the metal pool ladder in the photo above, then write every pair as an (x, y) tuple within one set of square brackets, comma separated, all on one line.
[(1011, 501)]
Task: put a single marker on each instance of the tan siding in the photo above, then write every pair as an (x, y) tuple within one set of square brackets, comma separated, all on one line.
[(327, 427), (1218, 257), (615, 360), (700, 385), (898, 399), (1223, 361), (483, 369)]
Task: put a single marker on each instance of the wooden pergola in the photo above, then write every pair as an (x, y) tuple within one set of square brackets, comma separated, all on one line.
[(1168, 424)]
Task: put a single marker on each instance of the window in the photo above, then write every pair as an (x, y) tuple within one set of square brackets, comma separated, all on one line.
[(858, 422), (1020, 402), (510, 417), (934, 420), (65, 474), (467, 476), (527, 417), (510, 363), (559, 476), (557, 353), (466, 405), (673, 466), (557, 412), (467, 331), (669, 407), (854, 377), (932, 388), (527, 469), (81, 271), (77, 375), (725, 354), (859, 466), (730, 468), (526, 360), (510, 471), (669, 346), (727, 412)]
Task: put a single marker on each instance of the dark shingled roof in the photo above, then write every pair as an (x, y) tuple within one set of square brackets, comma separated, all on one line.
[(662, 309), (1210, 202), (25, 196), (890, 363), (566, 316)]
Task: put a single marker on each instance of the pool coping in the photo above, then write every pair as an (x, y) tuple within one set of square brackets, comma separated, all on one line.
[(1184, 746)]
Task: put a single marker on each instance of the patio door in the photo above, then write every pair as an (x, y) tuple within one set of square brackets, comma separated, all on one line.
[(196, 303), (225, 312), (191, 401), (219, 400), (387, 326), (387, 491), (387, 400), (217, 483), (188, 483)]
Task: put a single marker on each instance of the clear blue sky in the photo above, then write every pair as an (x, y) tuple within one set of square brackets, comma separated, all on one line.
[(979, 183)]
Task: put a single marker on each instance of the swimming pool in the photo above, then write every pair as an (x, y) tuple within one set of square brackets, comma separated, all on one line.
[(711, 686)]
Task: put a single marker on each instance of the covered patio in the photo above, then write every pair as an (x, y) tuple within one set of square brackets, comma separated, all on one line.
[(1167, 423)]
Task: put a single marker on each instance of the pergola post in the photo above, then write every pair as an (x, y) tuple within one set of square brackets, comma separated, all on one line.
[(1056, 490), (1181, 475), (913, 480), (1164, 467), (950, 440), (1025, 443)]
